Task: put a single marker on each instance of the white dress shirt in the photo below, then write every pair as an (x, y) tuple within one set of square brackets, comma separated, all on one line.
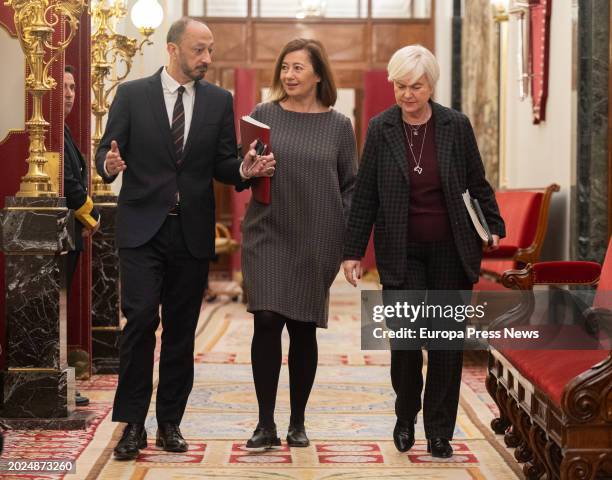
[(170, 87)]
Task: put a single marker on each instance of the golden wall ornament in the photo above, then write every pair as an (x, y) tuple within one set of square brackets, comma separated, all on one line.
[(107, 49), (35, 22)]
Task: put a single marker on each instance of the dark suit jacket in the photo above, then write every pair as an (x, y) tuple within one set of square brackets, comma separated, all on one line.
[(75, 182), (138, 121), (382, 194)]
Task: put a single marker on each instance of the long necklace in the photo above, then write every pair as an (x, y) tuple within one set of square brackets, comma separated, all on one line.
[(417, 163)]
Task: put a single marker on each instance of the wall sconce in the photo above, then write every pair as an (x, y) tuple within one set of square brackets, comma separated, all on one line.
[(108, 47), (146, 16), (311, 8), (501, 10)]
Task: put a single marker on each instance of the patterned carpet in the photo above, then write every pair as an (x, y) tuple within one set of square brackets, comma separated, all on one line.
[(349, 418)]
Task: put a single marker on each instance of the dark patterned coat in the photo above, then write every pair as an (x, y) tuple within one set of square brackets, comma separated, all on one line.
[(382, 193)]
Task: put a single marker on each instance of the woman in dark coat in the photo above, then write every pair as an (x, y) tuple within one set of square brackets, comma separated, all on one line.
[(418, 160)]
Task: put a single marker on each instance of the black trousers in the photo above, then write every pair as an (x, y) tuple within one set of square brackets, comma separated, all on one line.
[(431, 266), (162, 271)]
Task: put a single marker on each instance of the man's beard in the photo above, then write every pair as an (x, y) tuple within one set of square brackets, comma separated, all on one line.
[(196, 75)]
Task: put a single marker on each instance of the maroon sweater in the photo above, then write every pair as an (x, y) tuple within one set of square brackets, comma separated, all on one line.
[(427, 215)]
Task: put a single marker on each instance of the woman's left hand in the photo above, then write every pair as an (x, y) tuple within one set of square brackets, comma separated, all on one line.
[(494, 246), (352, 271)]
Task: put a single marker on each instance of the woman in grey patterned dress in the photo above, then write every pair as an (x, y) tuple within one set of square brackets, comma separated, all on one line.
[(292, 248)]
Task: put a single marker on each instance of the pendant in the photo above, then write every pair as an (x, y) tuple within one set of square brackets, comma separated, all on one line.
[(415, 132), (418, 169)]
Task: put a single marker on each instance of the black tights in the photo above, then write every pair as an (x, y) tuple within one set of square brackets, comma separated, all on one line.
[(266, 357)]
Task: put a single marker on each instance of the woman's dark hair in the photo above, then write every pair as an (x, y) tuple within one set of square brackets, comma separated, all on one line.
[(326, 88)]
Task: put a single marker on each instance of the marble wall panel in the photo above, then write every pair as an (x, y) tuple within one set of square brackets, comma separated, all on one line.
[(590, 198)]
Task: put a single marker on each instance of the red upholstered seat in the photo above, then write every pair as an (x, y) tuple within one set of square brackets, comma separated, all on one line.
[(551, 370), (520, 211), (566, 273)]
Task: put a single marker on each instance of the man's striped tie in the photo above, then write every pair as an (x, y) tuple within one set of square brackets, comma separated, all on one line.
[(178, 125)]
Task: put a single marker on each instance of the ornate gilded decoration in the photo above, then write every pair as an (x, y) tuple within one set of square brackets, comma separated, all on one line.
[(107, 49), (35, 22)]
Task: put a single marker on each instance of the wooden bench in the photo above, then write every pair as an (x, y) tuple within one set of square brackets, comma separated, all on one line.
[(556, 405), (525, 212)]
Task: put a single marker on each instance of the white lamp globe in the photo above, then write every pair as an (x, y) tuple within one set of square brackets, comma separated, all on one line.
[(147, 14), (501, 4)]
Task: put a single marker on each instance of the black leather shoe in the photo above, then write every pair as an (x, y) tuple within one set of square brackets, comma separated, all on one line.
[(133, 439), (296, 436), (440, 448), (264, 438), (80, 400), (403, 435), (169, 438)]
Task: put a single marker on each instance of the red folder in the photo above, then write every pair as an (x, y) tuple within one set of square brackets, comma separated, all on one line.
[(251, 130)]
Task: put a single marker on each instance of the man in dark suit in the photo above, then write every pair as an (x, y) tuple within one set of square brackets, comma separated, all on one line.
[(75, 191), (170, 134)]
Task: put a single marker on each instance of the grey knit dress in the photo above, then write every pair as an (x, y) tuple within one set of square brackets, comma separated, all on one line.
[(292, 248)]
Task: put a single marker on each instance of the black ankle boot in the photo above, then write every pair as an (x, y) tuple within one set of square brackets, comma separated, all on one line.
[(296, 436), (133, 439), (403, 435), (169, 438), (263, 438), (439, 447)]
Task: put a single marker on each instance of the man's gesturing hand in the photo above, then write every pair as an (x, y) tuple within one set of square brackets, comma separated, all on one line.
[(113, 162)]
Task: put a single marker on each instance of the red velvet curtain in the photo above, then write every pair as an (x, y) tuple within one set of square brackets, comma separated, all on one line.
[(245, 97), (78, 55), (377, 97)]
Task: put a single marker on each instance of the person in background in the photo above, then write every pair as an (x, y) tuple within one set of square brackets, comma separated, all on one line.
[(292, 248), (76, 173), (418, 159)]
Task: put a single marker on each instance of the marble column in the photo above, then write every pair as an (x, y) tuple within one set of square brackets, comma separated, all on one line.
[(590, 197), (105, 314), (38, 385)]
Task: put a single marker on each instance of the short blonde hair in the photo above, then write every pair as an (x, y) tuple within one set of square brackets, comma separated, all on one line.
[(413, 62)]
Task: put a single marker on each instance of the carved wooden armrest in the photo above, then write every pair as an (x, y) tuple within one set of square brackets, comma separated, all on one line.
[(553, 273), (588, 397)]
